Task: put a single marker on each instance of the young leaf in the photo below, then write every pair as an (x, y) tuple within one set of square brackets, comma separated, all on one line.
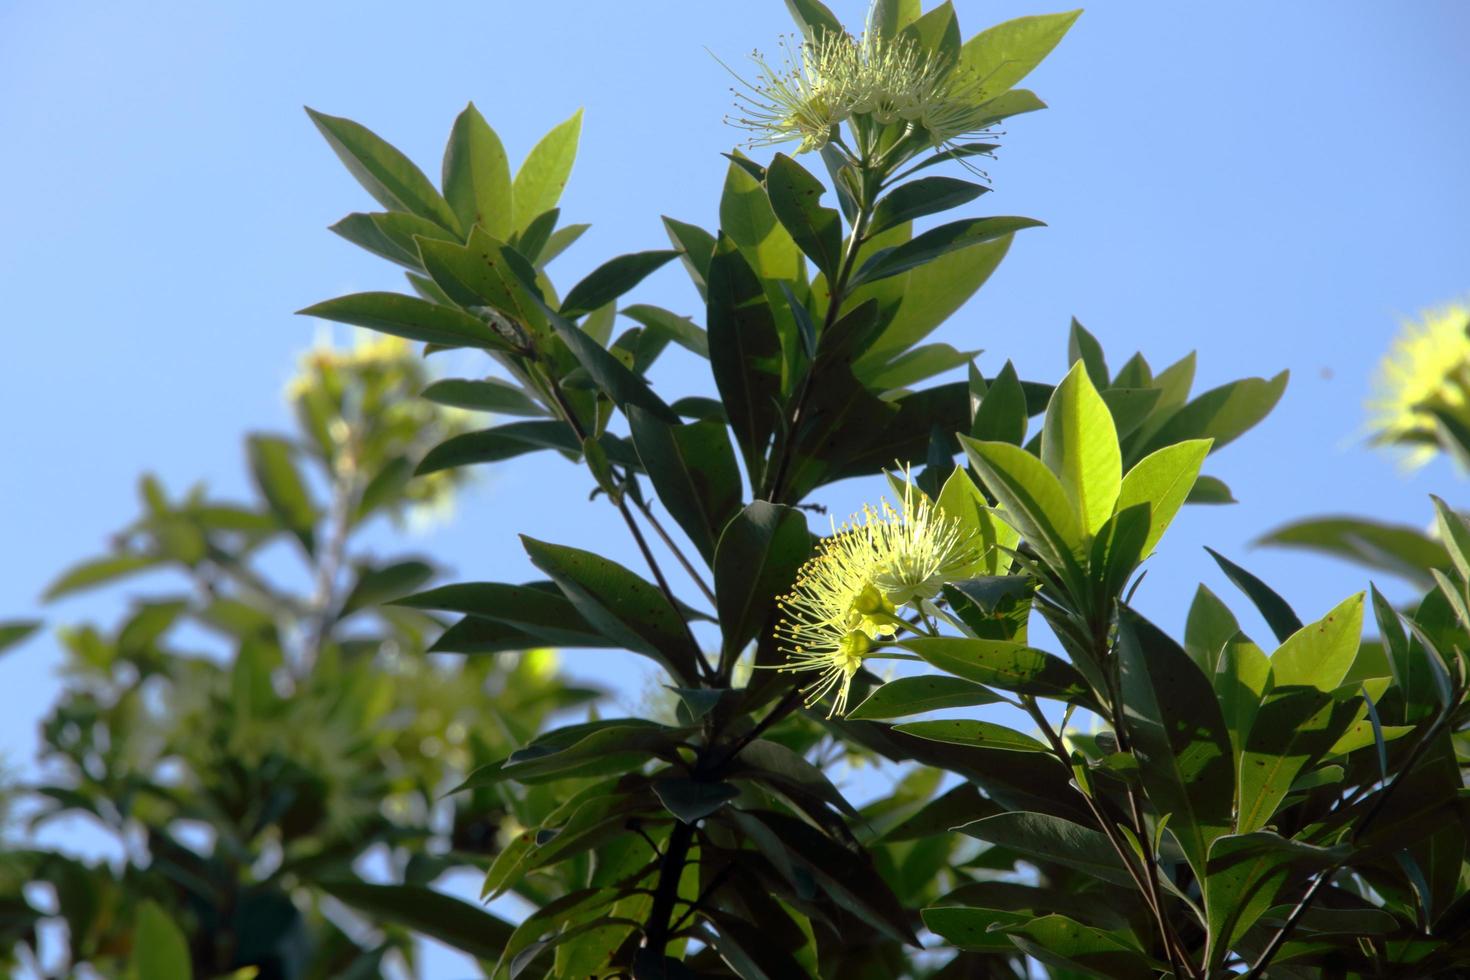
[(386, 174), (1080, 445), (1319, 655), (543, 175), (1032, 499), (1162, 481), (1006, 53), (477, 176)]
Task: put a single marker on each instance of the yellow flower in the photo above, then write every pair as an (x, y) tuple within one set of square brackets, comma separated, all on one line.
[(847, 596), (804, 98), (1429, 362)]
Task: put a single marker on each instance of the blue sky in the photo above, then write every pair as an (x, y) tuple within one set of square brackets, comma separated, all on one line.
[(1269, 184)]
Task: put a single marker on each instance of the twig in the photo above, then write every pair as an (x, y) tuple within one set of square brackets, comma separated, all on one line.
[(674, 548)]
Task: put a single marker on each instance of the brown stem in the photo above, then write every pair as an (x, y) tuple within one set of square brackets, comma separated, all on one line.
[(658, 929)]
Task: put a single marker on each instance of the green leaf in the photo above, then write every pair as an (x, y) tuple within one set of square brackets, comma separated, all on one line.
[(362, 230), (697, 246), (538, 609), (1083, 346), (490, 395), (1032, 499), (1455, 534), (98, 571), (1222, 413), (970, 928), (543, 175), (477, 175), (1319, 655), (15, 631), (1246, 873), (694, 472), (619, 383), (916, 365), (1161, 481), (1208, 627), (160, 949), (936, 242), (795, 197), (622, 606), (1273, 609), (410, 317), (1292, 729), (756, 559), (514, 439), (692, 801), (557, 242), (1179, 736), (1130, 407), (747, 220), (1394, 548), (1009, 666), (379, 584), (960, 499), (916, 695), (1006, 53), (1210, 490), (1043, 837), (919, 198), (272, 463), (386, 174), (612, 279), (1066, 943), (932, 293), (1002, 414), (982, 734), (455, 923), (482, 273), (812, 16), (1080, 445), (679, 329), (745, 353)]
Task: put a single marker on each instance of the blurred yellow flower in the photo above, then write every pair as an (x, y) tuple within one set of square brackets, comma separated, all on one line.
[(1428, 365)]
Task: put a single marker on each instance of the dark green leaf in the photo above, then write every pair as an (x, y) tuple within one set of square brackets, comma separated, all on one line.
[(621, 605), (513, 439), (796, 201), (490, 395), (964, 731), (1047, 838), (1274, 609), (612, 279), (1008, 666), (1179, 736), (15, 631), (1002, 414), (1394, 548), (1068, 944), (1222, 413), (756, 559), (918, 198), (385, 173), (692, 801), (915, 695), (745, 353), (936, 242), (697, 246), (619, 383), (98, 571), (694, 472), (407, 316), (538, 609), (378, 584), (1083, 346), (452, 922), (1246, 874), (679, 329)]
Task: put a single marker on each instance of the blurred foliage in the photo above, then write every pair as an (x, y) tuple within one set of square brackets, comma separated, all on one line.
[(258, 737)]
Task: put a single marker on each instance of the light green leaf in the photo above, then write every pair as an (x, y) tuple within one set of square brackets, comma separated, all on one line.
[(1292, 729), (1241, 679), (1080, 445), (543, 175), (1068, 944), (389, 176), (160, 949), (1161, 481), (1006, 53), (98, 571), (747, 219), (1032, 499), (1320, 654)]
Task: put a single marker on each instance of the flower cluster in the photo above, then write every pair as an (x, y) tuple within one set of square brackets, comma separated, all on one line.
[(847, 597), (835, 77), (1428, 365)]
